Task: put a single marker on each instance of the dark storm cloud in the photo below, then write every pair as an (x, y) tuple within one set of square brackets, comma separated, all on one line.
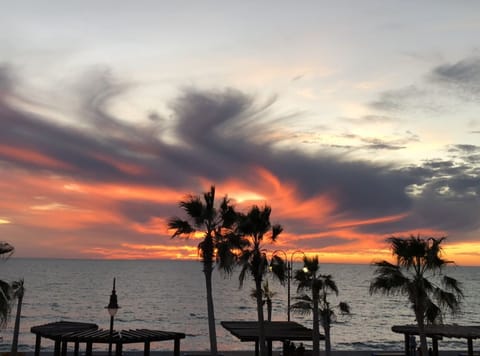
[(221, 135)]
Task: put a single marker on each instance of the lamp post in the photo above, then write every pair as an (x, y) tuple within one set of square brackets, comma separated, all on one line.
[(112, 308), (289, 274)]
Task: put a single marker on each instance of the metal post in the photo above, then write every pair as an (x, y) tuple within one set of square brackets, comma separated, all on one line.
[(289, 277), (112, 308), (111, 336)]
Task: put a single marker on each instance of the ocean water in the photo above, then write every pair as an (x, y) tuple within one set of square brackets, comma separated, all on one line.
[(170, 295)]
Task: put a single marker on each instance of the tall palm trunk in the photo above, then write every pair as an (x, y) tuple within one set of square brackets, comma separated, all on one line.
[(328, 341), (16, 329), (421, 333), (261, 323), (210, 310), (316, 327), (269, 309)]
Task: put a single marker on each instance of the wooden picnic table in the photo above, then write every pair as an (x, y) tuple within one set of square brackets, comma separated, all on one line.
[(91, 336), (436, 332), (55, 331), (248, 331)]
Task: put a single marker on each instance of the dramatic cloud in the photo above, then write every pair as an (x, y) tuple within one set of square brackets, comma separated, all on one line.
[(107, 186)]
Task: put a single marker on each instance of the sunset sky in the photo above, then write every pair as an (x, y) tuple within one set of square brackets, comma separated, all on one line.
[(354, 120)]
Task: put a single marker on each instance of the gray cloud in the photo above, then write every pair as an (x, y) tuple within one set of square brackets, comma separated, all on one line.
[(220, 135), (463, 77), (410, 97), (445, 85), (371, 119)]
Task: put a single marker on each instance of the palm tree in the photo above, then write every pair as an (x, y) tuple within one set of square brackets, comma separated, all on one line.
[(254, 227), (18, 292), (320, 286), (5, 289), (417, 261), (267, 295), (217, 245)]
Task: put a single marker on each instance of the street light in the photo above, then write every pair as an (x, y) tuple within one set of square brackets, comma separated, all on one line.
[(112, 308), (289, 274)]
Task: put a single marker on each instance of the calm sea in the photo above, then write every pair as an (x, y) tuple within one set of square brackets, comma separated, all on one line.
[(170, 295)]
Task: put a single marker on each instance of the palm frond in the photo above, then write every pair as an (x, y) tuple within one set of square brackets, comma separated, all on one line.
[(195, 209), (447, 300), (181, 227), (433, 314), (6, 249), (301, 307), (389, 279), (329, 283), (279, 268), (5, 302), (344, 308), (453, 285), (276, 231)]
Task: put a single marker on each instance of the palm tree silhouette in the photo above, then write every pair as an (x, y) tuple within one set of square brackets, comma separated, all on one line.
[(418, 260), (320, 286), (254, 227), (5, 289), (267, 295), (217, 246), (18, 292)]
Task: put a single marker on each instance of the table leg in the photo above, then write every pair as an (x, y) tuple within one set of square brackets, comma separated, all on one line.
[(118, 349), (76, 349), (435, 346), (38, 341), (407, 344), (285, 348), (88, 351), (269, 345), (64, 348), (56, 350), (146, 348), (256, 348), (470, 346), (176, 347)]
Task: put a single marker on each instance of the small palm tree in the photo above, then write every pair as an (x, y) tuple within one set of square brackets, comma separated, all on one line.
[(5, 289), (267, 295), (320, 287), (216, 247), (418, 265), (254, 227), (18, 292)]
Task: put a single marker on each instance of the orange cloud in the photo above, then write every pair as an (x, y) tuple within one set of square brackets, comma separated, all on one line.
[(28, 156), (64, 206), (379, 220)]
